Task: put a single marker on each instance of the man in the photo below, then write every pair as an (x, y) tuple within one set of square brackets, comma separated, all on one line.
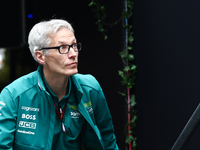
[(54, 107)]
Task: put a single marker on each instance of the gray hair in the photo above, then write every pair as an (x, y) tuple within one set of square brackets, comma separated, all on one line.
[(39, 35)]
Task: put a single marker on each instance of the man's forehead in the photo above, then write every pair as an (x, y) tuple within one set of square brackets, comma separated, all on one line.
[(63, 36), (66, 41)]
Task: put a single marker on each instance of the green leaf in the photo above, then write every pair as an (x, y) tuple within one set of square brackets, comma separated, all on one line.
[(129, 86), (125, 26), (121, 73), (130, 14), (105, 37), (98, 21), (132, 100), (133, 119), (129, 131), (125, 14), (102, 8), (130, 4), (133, 67), (129, 139), (130, 47), (133, 103), (130, 57), (134, 144), (131, 39), (123, 53), (101, 29), (90, 4), (127, 68), (123, 94)]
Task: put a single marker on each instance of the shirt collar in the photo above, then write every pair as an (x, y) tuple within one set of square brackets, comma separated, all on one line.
[(44, 86), (72, 81)]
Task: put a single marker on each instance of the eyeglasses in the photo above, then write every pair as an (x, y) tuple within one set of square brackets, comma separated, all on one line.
[(63, 49)]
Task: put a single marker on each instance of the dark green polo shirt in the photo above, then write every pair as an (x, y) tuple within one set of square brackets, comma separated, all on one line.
[(72, 120)]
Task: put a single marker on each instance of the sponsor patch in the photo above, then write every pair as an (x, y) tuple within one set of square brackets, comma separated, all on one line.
[(30, 109), (74, 107), (29, 117), (29, 125), (90, 110), (2, 103), (89, 107), (74, 111), (88, 104), (75, 114), (26, 132)]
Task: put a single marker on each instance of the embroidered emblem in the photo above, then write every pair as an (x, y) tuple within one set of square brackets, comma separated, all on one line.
[(89, 107), (74, 107), (2, 103)]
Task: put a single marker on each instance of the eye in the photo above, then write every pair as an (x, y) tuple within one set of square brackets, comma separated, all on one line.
[(74, 45), (64, 47)]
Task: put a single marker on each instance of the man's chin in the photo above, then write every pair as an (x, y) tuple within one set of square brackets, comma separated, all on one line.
[(73, 72)]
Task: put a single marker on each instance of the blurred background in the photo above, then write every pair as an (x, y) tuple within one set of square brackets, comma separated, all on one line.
[(166, 50)]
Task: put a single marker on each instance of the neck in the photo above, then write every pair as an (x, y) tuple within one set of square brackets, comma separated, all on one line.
[(58, 85)]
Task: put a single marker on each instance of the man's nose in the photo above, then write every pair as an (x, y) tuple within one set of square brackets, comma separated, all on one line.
[(72, 53)]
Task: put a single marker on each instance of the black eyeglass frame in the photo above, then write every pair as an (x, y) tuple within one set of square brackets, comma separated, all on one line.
[(58, 47)]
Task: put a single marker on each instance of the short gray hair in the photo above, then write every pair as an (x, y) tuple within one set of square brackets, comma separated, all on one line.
[(39, 35)]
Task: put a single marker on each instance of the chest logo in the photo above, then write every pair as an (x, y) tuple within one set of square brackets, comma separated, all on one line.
[(75, 114), (30, 109), (29, 125), (89, 107), (2, 103), (29, 117)]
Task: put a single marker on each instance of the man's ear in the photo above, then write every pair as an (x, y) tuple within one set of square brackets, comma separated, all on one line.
[(40, 57)]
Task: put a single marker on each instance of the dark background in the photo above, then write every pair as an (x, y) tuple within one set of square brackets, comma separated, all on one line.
[(166, 49), (167, 53)]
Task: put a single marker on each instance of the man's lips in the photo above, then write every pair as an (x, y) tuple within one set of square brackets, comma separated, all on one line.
[(73, 63)]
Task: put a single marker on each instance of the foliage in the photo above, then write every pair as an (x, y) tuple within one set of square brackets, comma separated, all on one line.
[(129, 71), (101, 14)]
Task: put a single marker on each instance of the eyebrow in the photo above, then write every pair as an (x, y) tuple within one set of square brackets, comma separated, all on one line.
[(64, 43)]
